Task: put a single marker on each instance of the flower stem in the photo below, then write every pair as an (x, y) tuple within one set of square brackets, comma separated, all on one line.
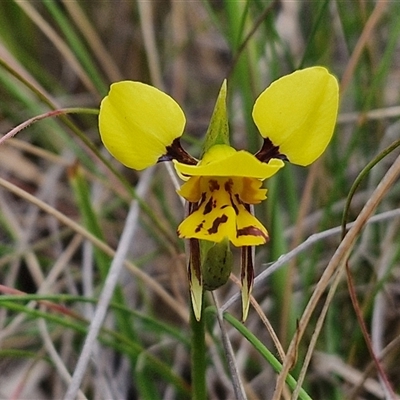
[(198, 358)]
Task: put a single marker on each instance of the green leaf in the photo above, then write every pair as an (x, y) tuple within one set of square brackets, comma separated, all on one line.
[(263, 351)]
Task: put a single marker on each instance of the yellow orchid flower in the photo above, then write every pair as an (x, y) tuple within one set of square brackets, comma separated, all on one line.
[(296, 114)]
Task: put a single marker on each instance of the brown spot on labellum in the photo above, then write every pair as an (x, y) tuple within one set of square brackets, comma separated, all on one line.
[(213, 185), (203, 198), (238, 199), (251, 231), (234, 205), (200, 226), (216, 223), (228, 185), (209, 206)]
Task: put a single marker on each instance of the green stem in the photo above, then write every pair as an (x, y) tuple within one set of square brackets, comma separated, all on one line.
[(198, 358)]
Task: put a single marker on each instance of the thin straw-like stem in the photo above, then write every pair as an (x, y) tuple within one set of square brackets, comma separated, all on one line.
[(337, 260), (309, 242), (198, 357), (108, 289)]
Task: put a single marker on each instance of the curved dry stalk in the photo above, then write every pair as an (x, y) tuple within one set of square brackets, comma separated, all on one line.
[(108, 288), (337, 261), (318, 327), (36, 118), (44, 286), (369, 27), (92, 37), (322, 316), (392, 346), (234, 372), (149, 37), (151, 283), (55, 357), (330, 364), (310, 241), (377, 114), (263, 318), (305, 202), (180, 34), (382, 268), (269, 327), (59, 43)]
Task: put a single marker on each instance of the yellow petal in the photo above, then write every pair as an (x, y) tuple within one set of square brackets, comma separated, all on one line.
[(191, 190), (221, 212), (137, 122), (298, 113), (214, 226), (249, 230), (250, 191), (223, 160)]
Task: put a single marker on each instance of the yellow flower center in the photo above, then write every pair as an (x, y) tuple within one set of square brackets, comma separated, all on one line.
[(222, 210)]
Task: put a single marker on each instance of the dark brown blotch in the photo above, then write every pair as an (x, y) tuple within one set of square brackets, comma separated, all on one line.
[(251, 231), (237, 197), (203, 198), (213, 185), (216, 223), (268, 151), (175, 151), (209, 206), (228, 185), (200, 226)]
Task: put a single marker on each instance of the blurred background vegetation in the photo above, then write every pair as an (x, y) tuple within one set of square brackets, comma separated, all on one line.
[(62, 54)]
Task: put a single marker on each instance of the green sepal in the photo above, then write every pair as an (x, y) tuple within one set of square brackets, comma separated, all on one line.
[(217, 263), (195, 278), (218, 130), (247, 278)]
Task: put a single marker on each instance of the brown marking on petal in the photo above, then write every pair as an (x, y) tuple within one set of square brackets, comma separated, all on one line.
[(200, 226), (234, 205), (228, 185), (251, 231), (195, 265), (238, 199), (247, 266), (193, 207), (203, 198), (213, 185), (216, 223), (268, 151), (175, 151), (209, 206)]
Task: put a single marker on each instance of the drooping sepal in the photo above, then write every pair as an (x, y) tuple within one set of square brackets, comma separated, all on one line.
[(218, 130), (216, 263), (247, 278), (195, 278)]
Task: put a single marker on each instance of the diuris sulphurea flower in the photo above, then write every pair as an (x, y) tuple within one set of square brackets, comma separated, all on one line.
[(141, 125)]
